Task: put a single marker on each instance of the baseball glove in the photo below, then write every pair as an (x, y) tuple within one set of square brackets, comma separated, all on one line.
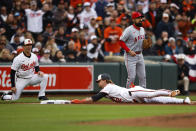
[(147, 43)]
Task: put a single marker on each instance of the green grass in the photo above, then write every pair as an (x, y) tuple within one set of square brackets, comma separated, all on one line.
[(36, 117)]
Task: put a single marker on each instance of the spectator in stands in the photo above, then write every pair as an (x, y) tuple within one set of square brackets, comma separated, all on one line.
[(82, 57), (36, 51), (54, 48), (73, 20), (3, 14), (40, 40), (10, 26), (60, 15), (190, 48), (78, 10), (69, 52), (87, 14), (13, 54), (46, 57), (4, 44), (99, 7), (34, 19), (83, 40), (180, 45), (20, 33), (165, 25), (144, 4), (92, 26), (59, 57), (174, 10), (158, 48), (109, 9), (171, 47), (161, 7), (99, 31), (75, 38), (165, 38), (84, 28), (94, 52), (129, 5), (60, 37), (188, 7), (112, 35), (184, 25), (48, 16), (123, 23), (120, 8), (48, 32), (151, 15), (16, 42), (28, 35), (183, 73), (5, 56), (17, 6)]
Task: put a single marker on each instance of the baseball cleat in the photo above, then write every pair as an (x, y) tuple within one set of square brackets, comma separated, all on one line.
[(2, 96), (175, 93), (42, 98), (187, 100)]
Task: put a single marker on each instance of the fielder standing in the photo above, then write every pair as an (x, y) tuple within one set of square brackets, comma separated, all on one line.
[(23, 74), (132, 41)]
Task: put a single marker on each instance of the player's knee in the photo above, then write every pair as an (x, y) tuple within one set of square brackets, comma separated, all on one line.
[(45, 77)]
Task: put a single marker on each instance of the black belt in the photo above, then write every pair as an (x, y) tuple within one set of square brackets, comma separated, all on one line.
[(22, 78), (137, 52), (130, 93)]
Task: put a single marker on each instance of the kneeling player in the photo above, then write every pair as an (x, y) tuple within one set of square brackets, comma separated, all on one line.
[(24, 67)]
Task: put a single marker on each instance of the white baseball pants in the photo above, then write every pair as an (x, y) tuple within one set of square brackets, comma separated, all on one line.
[(36, 79), (143, 95)]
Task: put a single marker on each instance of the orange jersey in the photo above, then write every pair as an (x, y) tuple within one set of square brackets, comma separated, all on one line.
[(74, 3), (114, 35)]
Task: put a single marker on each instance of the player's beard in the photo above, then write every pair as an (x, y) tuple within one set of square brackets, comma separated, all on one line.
[(139, 24)]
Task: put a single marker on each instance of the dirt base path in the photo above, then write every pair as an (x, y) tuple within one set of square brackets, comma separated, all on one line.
[(178, 121)]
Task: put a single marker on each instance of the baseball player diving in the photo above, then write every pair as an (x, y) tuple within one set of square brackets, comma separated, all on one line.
[(23, 74), (133, 41), (136, 94)]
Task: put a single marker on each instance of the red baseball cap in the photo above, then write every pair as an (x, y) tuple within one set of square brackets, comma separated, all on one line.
[(135, 15)]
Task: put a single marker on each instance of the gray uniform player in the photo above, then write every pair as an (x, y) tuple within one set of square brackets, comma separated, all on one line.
[(23, 73), (131, 41), (136, 94)]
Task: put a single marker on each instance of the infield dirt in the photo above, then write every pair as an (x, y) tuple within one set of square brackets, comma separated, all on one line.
[(177, 120)]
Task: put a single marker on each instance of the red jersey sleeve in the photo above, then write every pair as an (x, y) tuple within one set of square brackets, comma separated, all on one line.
[(123, 45)]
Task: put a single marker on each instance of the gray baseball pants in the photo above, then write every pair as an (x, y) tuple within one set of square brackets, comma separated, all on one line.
[(135, 65)]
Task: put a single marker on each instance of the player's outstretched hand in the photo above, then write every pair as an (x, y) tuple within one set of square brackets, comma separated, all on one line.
[(132, 53), (76, 101), (13, 89), (40, 73)]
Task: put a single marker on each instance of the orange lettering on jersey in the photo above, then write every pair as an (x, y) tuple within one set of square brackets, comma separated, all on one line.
[(116, 99), (28, 66)]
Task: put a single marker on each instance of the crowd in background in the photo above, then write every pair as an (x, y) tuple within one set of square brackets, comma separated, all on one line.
[(88, 30)]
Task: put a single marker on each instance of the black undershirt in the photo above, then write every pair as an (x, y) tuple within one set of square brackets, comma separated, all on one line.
[(98, 96), (13, 72)]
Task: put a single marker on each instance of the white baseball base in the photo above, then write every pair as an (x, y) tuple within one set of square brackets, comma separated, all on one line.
[(56, 102)]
